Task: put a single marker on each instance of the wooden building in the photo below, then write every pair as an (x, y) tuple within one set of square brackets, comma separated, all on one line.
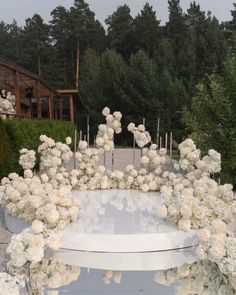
[(35, 98)]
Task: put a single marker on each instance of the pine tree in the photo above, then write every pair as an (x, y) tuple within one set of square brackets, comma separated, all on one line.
[(36, 40), (147, 30), (120, 31)]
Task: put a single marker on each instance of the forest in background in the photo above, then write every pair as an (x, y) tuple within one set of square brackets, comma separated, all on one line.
[(183, 72)]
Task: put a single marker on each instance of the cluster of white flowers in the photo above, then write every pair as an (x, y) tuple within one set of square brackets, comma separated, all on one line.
[(191, 158), (142, 137), (109, 274), (203, 278), (28, 247), (7, 104), (27, 159), (105, 136), (10, 285), (54, 155), (194, 200), (89, 175), (191, 199), (218, 245), (53, 274), (152, 159), (36, 198)]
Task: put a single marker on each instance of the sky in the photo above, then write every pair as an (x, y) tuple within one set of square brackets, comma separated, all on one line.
[(22, 9)]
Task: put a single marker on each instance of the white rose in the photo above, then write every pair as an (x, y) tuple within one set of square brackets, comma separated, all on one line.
[(106, 111), (131, 127), (162, 211), (99, 141), (109, 118), (37, 226), (184, 224), (141, 127), (68, 140), (144, 187), (83, 144)]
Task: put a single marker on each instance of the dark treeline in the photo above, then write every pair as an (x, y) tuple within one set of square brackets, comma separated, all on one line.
[(135, 65)]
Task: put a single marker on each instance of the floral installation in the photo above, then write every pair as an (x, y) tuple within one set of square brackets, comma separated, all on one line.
[(218, 244), (7, 104), (141, 136), (202, 277), (153, 159), (27, 248), (190, 198), (193, 199), (105, 136), (11, 284), (89, 174)]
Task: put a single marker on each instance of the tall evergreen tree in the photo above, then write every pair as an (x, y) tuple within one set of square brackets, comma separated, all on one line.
[(4, 37), (147, 32), (36, 41), (61, 34), (85, 28), (176, 27), (120, 30)]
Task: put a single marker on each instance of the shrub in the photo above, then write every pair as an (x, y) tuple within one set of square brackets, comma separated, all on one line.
[(18, 133)]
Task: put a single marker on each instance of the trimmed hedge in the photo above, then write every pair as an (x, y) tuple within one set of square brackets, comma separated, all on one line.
[(17, 133), (8, 162)]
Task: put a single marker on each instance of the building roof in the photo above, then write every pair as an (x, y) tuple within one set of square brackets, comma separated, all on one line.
[(21, 70)]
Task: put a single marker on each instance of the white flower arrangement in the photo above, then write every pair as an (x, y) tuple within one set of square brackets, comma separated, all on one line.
[(152, 159), (141, 136), (219, 246), (11, 284), (194, 200), (191, 200), (27, 248), (27, 159), (7, 104), (105, 136), (203, 277), (54, 155), (191, 160)]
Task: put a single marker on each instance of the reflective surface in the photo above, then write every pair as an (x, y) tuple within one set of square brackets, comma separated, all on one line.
[(119, 229), (131, 283)]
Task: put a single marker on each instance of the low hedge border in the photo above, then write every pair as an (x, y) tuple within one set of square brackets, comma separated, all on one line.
[(20, 133)]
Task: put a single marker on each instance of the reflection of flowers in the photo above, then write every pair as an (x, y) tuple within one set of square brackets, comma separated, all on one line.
[(203, 278), (53, 274), (109, 274)]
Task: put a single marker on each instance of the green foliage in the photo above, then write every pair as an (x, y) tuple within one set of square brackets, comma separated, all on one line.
[(24, 133), (212, 123), (8, 161)]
